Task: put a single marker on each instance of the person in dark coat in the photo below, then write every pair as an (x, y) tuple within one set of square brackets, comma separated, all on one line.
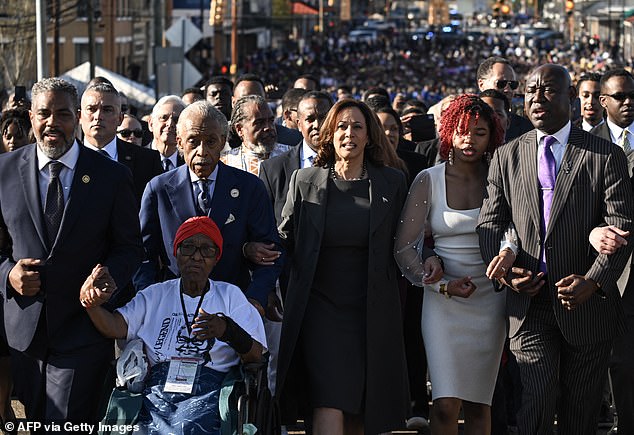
[(341, 348)]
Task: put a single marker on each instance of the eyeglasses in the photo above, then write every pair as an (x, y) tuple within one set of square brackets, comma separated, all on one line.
[(205, 251), (620, 96), (127, 133), (501, 84)]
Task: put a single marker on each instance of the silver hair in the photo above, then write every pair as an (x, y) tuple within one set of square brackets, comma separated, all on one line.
[(238, 115), (204, 109), (55, 84), (102, 88), (174, 99)]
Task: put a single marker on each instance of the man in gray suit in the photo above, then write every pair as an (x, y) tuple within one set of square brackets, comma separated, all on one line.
[(563, 305)]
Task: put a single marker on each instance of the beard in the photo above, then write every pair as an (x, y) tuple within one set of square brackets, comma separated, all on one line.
[(261, 148), (55, 152)]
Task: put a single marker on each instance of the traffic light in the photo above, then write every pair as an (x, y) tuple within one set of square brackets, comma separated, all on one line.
[(216, 12), (570, 7)]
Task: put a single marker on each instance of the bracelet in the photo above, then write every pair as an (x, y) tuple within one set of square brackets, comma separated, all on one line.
[(443, 291), (244, 253)]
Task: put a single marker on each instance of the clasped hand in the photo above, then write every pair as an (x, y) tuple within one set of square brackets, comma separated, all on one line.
[(433, 272), (98, 287), (208, 325)]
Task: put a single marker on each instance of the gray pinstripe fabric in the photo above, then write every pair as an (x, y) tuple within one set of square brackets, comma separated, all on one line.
[(592, 188)]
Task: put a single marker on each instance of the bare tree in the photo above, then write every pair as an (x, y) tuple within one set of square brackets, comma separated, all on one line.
[(17, 42)]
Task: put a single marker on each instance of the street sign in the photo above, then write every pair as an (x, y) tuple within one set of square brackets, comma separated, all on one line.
[(183, 30), (190, 74)]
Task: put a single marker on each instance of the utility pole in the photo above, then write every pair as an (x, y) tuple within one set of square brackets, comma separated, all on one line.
[(233, 70), (40, 35), (91, 37), (56, 12)]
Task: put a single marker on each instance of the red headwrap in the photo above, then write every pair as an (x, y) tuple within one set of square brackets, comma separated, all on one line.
[(199, 225)]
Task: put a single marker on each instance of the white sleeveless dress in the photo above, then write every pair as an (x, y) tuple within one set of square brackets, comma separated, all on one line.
[(463, 337)]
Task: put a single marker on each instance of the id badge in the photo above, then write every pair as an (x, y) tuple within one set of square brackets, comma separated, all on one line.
[(181, 375)]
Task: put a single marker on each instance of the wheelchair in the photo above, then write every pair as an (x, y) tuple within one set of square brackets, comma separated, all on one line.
[(245, 404)]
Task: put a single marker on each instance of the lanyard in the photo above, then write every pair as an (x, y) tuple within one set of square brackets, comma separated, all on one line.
[(200, 302)]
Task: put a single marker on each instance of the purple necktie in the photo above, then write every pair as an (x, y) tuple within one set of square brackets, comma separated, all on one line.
[(547, 173)]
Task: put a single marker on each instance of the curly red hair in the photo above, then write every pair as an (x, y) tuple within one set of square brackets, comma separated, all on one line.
[(456, 118)]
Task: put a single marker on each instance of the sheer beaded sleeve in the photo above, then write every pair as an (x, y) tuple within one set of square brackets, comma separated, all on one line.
[(409, 249)]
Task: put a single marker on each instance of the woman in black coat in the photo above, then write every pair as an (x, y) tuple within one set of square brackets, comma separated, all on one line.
[(341, 347)]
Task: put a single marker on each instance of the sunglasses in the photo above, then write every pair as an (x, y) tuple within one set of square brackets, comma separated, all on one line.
[(620, 96), (501, 84), (127, 133)]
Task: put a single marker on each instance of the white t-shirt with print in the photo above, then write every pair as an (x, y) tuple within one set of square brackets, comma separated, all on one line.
[(155, 315)]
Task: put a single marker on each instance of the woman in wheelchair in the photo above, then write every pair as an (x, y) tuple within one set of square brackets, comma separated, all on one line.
[(194, 331)]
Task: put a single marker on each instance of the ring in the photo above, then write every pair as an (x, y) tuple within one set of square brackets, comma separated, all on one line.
[(503, 268), (262, 259)]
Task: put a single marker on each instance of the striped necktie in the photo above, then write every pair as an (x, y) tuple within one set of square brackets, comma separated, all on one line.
[(625, 141)]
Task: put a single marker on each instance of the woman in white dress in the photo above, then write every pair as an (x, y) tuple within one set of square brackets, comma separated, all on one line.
[(463, 320)]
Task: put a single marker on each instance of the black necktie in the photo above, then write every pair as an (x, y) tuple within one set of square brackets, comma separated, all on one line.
[(167, 164), (54, 205), (203, 196)]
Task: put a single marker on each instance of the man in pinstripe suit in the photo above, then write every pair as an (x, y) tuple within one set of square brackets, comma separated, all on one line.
[(563, 305)]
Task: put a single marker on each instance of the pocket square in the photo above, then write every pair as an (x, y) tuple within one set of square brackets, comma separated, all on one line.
[(230, 218)]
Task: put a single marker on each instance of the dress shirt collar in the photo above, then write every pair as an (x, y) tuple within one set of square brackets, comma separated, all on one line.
[(306, 153), (69, 158), (212, 177), (616, 131), (110, 148), (562, 135), (587, 127)]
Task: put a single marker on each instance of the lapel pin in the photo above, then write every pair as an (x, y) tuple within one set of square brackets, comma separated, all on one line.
[(235, 193), (85, 179), (230, 219), (384, 199), (128, 158)]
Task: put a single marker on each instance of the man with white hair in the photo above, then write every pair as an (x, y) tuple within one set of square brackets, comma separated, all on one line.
[(162, 124)]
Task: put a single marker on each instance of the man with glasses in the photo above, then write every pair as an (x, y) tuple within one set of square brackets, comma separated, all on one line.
[(497, 73), (162, 124), (99, 116), (617, 97), (130, 130), (236, 200)]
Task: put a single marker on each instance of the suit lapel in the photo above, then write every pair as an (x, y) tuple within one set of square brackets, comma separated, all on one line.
[(570, 164), (292, 163), (530, 180), (381, 196), (124, 156), (222, 202), (317, 194), (30, 183), (179, 192)]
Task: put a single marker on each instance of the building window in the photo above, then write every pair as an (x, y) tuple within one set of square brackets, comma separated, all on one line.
[(82, 55)]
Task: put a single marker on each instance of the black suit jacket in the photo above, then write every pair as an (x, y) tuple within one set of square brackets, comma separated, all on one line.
[(276, 174), (100, 225), (144, 164), (519, 126)]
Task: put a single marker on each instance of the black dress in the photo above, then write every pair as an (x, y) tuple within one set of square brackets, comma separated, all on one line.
[(333, 333)]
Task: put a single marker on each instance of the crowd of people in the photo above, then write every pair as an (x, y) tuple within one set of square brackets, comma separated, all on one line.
[(363, 245)]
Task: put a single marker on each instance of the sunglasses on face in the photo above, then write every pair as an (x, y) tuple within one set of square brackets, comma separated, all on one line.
[(127, 133), (501, 84), (621, 96)]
